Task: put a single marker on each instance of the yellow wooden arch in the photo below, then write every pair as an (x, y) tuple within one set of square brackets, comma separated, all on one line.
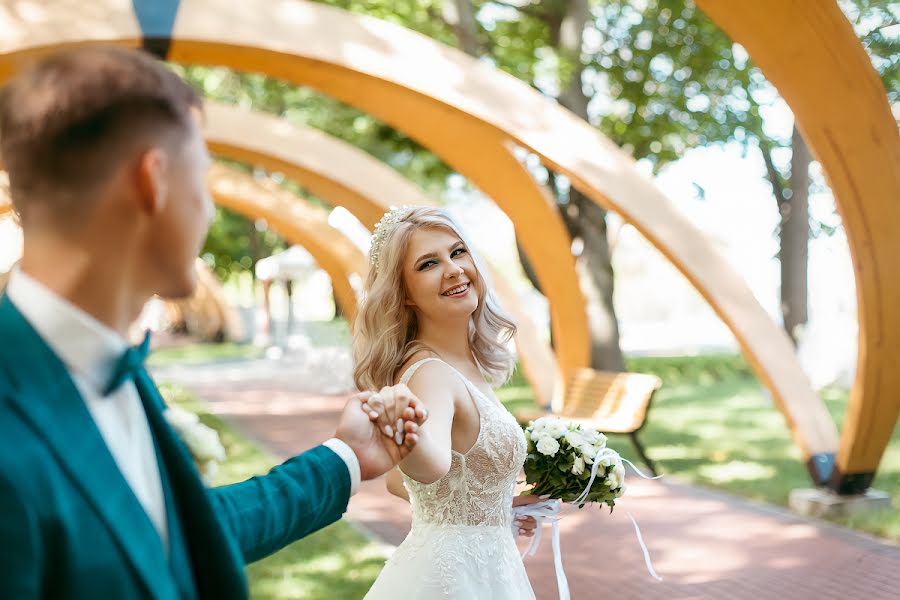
[(470, 115), (809, 51), (344, 175), (297, 222)]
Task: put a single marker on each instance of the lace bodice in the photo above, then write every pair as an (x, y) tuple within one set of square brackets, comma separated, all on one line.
[(478, 488)]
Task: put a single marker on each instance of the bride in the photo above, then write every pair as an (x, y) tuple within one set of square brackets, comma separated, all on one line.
[(429, 320)]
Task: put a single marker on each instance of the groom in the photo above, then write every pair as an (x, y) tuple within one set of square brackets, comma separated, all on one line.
[(99, 498)]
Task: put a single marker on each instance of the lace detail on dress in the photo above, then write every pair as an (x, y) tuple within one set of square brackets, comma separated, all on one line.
[(478, 489)]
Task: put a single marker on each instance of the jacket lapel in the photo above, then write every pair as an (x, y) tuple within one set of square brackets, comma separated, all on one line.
[(44, 394), (217, 563), (179, 560)]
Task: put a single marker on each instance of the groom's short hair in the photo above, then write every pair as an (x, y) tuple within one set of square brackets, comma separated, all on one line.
[(67, 120)]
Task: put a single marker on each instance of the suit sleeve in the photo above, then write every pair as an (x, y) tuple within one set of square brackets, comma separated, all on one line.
[(300, 496), (20, 545)]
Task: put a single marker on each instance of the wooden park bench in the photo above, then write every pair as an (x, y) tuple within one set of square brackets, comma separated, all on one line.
[(608, 402)]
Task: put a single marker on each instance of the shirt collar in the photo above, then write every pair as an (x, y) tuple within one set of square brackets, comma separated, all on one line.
[(88, 348)]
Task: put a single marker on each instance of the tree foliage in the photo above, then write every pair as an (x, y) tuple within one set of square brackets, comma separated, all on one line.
[(656, 76)]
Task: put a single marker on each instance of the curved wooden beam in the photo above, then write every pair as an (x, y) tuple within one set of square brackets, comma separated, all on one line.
[(297, 222), (344, 175), (469, 114), (842, 110)]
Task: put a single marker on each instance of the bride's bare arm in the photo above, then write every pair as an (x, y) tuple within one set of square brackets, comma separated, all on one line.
[(394, 483), (435, 385)]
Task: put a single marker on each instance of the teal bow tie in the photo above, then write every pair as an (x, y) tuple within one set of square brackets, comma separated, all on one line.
[(129, 365)]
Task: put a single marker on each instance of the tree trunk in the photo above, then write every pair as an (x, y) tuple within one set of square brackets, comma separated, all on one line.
[(460, 15), (595, 276), (585, 220), (794, 237)]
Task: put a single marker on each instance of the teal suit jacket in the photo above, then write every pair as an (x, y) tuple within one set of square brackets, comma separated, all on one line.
[(70, 525)]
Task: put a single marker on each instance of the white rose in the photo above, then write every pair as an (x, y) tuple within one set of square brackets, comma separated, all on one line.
[(203, 442), (589, 452), (619, 470), (607, 457), (597, 439), (543, 423), (557, 428), (547, 446), (180, 418), (612, 481), (576, 439), (578, 467), (552, 426)]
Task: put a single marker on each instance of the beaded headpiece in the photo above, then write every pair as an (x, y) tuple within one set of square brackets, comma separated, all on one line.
[(384, 226)]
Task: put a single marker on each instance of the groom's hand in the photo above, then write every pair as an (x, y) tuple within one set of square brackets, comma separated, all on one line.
[(377, 452)]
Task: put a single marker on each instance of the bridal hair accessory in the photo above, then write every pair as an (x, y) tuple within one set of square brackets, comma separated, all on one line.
[(557, 467), (388, 221)]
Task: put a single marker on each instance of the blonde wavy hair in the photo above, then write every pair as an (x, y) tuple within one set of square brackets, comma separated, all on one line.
[(385, 329)]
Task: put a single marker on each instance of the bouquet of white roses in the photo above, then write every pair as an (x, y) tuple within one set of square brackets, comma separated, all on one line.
[(571, 463)]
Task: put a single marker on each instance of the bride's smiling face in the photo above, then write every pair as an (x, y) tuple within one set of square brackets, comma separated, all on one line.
[(440, 276)]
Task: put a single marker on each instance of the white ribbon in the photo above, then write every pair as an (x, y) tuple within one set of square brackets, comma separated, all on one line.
[(544, 512), (587, 491), (638, 471), (647, 561)]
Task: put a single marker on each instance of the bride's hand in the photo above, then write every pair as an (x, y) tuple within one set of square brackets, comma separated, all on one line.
[(526, 525)]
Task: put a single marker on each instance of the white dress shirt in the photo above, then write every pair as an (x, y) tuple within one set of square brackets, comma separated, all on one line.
[(90, 351)]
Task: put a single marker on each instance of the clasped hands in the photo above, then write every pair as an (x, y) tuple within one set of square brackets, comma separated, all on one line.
[(381, 427)]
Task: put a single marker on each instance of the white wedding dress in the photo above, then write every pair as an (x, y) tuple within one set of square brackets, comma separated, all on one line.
[(461, 545)]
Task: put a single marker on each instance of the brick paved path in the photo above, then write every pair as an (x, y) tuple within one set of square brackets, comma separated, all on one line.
[(704, 544)]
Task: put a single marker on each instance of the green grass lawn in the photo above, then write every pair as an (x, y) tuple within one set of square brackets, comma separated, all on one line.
[(200, 353), (321, 334), (324, 334), (712, 424), (336, 562)]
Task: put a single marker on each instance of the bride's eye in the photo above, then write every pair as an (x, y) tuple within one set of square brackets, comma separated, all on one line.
[(458, 252), (426, 264)]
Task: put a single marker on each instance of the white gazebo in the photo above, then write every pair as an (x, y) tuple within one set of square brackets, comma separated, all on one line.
[(285, 267)]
